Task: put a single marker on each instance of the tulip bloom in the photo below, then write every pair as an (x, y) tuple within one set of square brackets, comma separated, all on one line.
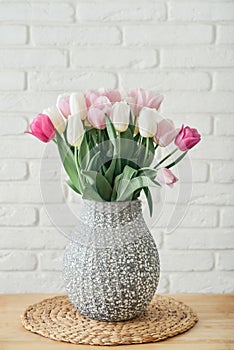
[(63, 105), (120, 116), (96, 118), (166, 133), (142, 98), (56, 118), (147, 122), (165, 176), (75, 130), (78, 105), (42, 128), (113, 95), (187, 138)]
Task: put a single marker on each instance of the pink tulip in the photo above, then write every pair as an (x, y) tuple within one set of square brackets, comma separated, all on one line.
[(112, 94), (63, 105), (166, 133), (96, 117), (165, 176), (143, 98), (187, 138), (42, 128), (90, 97)]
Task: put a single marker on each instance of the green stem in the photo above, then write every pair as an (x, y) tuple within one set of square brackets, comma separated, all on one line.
[(165, 158), (177, 160), (146, 150), (119, 153), (77, 167)]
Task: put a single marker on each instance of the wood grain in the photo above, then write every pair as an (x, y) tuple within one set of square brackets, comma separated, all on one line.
[(214, 331)]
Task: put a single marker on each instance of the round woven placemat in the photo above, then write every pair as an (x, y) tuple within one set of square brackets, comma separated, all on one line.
[(56, 318)]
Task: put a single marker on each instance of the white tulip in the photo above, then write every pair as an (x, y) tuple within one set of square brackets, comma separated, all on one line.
[(147, 122), (120, 116), (56, 118), (78, 105), (75, 130)]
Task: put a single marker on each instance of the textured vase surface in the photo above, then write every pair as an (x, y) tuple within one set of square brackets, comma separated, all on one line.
[(111, 263)]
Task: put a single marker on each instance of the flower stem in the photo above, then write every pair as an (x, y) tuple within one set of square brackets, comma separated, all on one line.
[(177, 160), (165, 158), (146, 150)]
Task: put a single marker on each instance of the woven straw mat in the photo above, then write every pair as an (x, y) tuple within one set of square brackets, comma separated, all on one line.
[(56, 318)]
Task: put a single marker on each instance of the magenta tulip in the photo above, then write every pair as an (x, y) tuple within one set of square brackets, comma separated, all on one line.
[(165, 176), (63, 105), (142, 98), (42, 128), (166, 133), (187, 138)]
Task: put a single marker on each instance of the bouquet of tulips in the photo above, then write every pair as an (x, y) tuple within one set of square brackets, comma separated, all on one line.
[(107, 142)]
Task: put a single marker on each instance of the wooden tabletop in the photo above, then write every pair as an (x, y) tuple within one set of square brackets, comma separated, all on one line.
[(214, 331)]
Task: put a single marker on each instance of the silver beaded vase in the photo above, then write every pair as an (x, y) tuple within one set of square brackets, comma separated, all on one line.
[(111, 263)]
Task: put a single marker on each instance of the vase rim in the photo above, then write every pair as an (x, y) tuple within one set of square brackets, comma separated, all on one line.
[(112, 202)]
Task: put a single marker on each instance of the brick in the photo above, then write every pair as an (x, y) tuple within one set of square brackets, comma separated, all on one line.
[(212, 149), (227, 217), (186, 261), (201, 11), (225, 261), (121, 11), (29, 148), (13, 170), (71, 80), (224, 81), (12, 126), (224, 127), (163, 286), (51, 260), (225, 34), (75, 35), (198, 57), (107, 58), (12, 34), (198, 102), (12, 81), (16, 261), (36, 11), (165, 34), (25, 193), (222, 172), (31, 282), (17, 216), (60, 216), (198, 282), (33, 58), (46, 170), (201, 122), (36, 238), (166, 80), (192, 239)]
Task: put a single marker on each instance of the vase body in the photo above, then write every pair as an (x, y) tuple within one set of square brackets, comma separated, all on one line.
[(111, 263)]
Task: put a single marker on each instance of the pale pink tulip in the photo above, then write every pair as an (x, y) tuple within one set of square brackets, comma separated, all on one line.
[(96, 118), (63, 105), (166, 133), (42, 128), (143, 98), (165, 176), (112, 94), (187, 138)]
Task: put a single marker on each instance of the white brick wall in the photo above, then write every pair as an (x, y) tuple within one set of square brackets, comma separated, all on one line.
[(183, 49)]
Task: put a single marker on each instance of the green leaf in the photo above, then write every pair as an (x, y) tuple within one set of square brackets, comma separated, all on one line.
[(100, 183), (70, 184), (133, 185), (94, 164), (177, 160), (128, 174), (111, 133), (116, 183), (91, 194), (109, 175), (149, 172), (84, 154), (149, 199)]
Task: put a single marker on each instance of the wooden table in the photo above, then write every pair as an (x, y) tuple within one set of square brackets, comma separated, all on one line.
[(214, 331)]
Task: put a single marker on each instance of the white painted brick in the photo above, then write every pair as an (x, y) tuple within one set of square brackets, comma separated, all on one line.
[(75, 35), (17, 216), (21, 193), (164, 34), (224, 127), (31, 282), (225, 34), (31, 238), (29, 148), (198, 102), (61, 216), (46, 170), (222, 172), (12, 126), (201, 11), (186, 261), (166, 80), (212, 148), (204, 238), (51, 260), (33, 102), (71, 80), (224, 80), (16, 261), (225, 260), (211, 282), (11, 34), (13, 170), (36, 11), (201, 122), (33, 58), (227, 217), (163, 286), (200, 171), (121, 11), (198, 57), (12, 80), (113, 57)]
